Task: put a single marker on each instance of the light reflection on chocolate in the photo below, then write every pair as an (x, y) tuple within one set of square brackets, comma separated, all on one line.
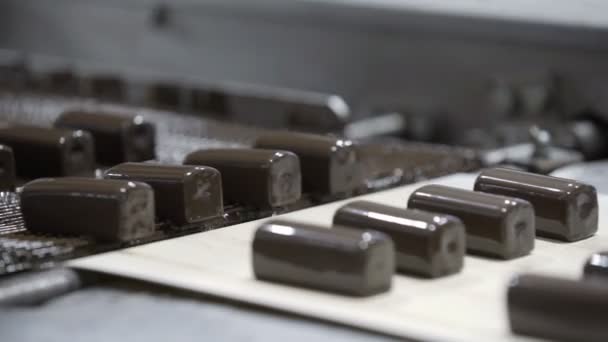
[(565, 209), (118, 138), (496, 226), (330, 166), (183, 194), (49, 152), (349, 261), (596, 267), (111, 210), (264, 178), (426, 244), (560, 309)]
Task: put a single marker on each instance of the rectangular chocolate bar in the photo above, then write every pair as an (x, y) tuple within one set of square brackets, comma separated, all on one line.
[(271, 107), (565, 209), (560, 309), (496, 226), (15, 73), (35, 288), (183, 194), (118, 138), (111, 210), (264, 178), (348, 261), (49, 152), (106, 87), (59, 81), (166, 95), (7, 169), (426, 244), (330, 165), (596, 267)]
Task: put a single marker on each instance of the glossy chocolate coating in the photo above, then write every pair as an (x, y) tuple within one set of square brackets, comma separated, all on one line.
[(496, 226), (35, 288), (349, 261), (7, 169), (264, 178), (329, 165), (117, 138), (559, 309), (565, 209), (111, 210), (596, 267), (426, 244), (183, 194), (49, 152)]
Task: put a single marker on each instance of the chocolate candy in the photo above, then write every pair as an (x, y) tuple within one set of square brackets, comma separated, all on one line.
[(330, 166), (118, 138), (565, 209), (34, 288), (7, 169), (111, 210), (15, 73), (106, 87), (596, 268), (264, 178), (426, 244), (496, 226), (60, 81), (49, 152), (165, 95), (273, 107), (183, 194), (559, 309), (349, 261), (210, 102)]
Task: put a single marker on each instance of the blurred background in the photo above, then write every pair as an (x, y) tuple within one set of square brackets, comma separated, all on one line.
[(467, 73), (518, 83)]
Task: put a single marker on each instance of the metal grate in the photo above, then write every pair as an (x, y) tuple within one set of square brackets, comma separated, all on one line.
[(385, 163)]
